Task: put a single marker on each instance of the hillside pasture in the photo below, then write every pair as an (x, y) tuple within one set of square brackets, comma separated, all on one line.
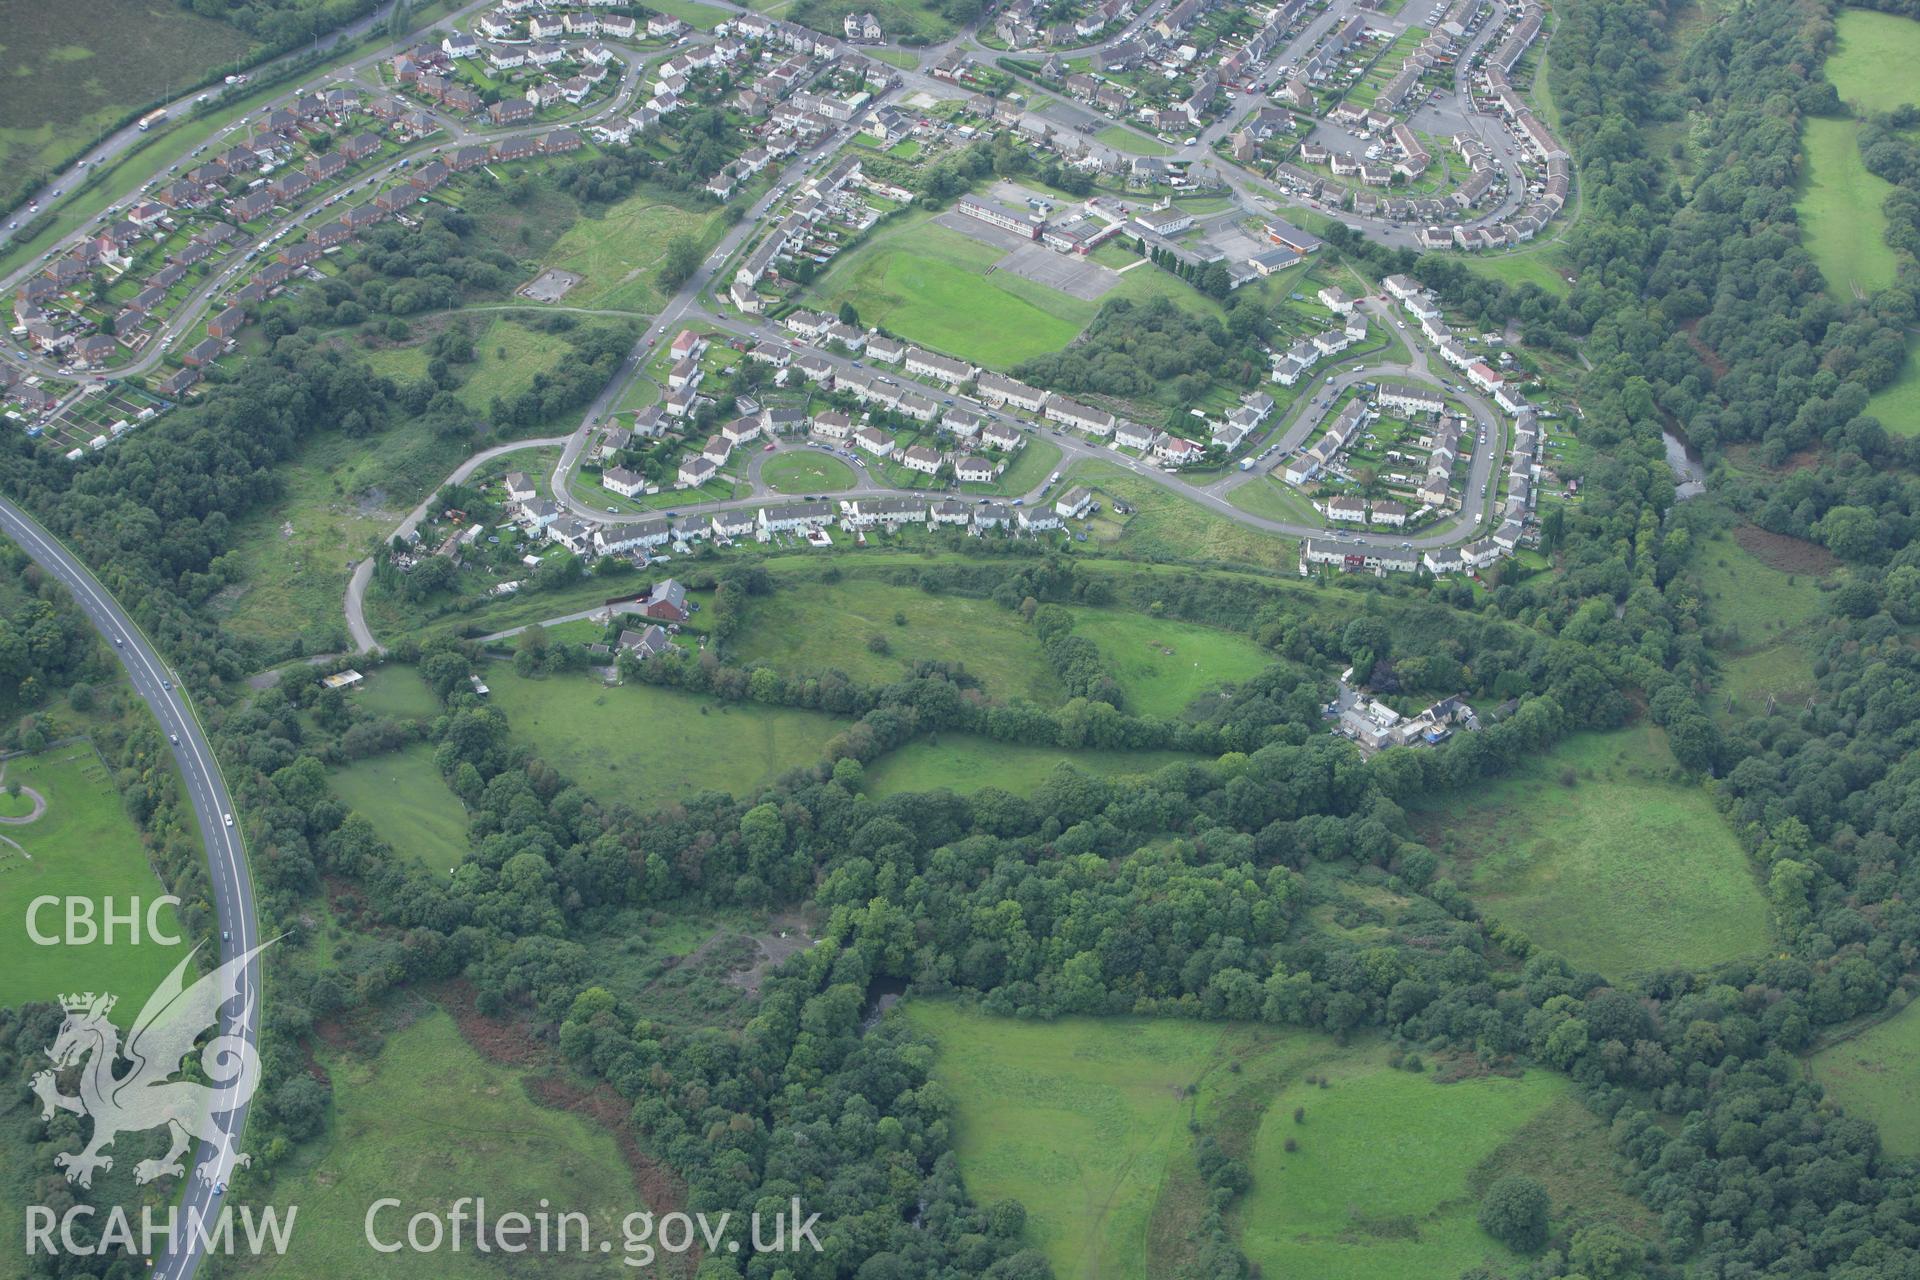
[(807, 628), (645, 746), (1843, 225), (403, 795), (1874, 1075), (964, 762), (425, 1119), (1874, 59), (1380, 1186), (1598, 820), (1164, 665)]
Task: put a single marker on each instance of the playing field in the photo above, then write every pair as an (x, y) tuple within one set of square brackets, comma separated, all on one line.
[(67, 79), (1380, 1186), (1164, 665), (1876, 1074), (1874, 59), (1622, 871), (83, 846), (645, 746), (812, 627), (806, 471), (408, 803), (427, 1122), (1840, 211), (963, 762)]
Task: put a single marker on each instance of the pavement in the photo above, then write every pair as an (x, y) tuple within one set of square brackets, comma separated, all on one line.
[(230, 884)]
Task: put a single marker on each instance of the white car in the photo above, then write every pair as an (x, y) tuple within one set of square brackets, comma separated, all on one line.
[(228, 817)]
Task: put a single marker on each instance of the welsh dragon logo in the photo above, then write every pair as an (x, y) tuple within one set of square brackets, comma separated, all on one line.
[(146, 1096)]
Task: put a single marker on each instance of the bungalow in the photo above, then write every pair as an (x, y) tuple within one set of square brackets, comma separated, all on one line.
[(649, 643)]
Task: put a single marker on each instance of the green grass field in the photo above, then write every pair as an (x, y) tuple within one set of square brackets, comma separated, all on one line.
[(428, 1121), (1127, 140), (1839, 207), (1764, 599), (343, 494), (1783, 671), (1525, 266), (963, 762), (1080, 1119), (816, 626), (933, 285), (506, 355), (620, 251), (804, 471), (1873, 1075), (1538, 854), (1381, 1185), (408, 803), (1165, 525), (83, 846), (1274, 499), (66, 80), (1085, 1121), (1873, 59), (397, 692), (1164, 665), (645, 746), (1897, 405)]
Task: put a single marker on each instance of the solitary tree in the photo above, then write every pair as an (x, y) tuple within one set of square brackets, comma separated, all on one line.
[(1515, 1213)]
